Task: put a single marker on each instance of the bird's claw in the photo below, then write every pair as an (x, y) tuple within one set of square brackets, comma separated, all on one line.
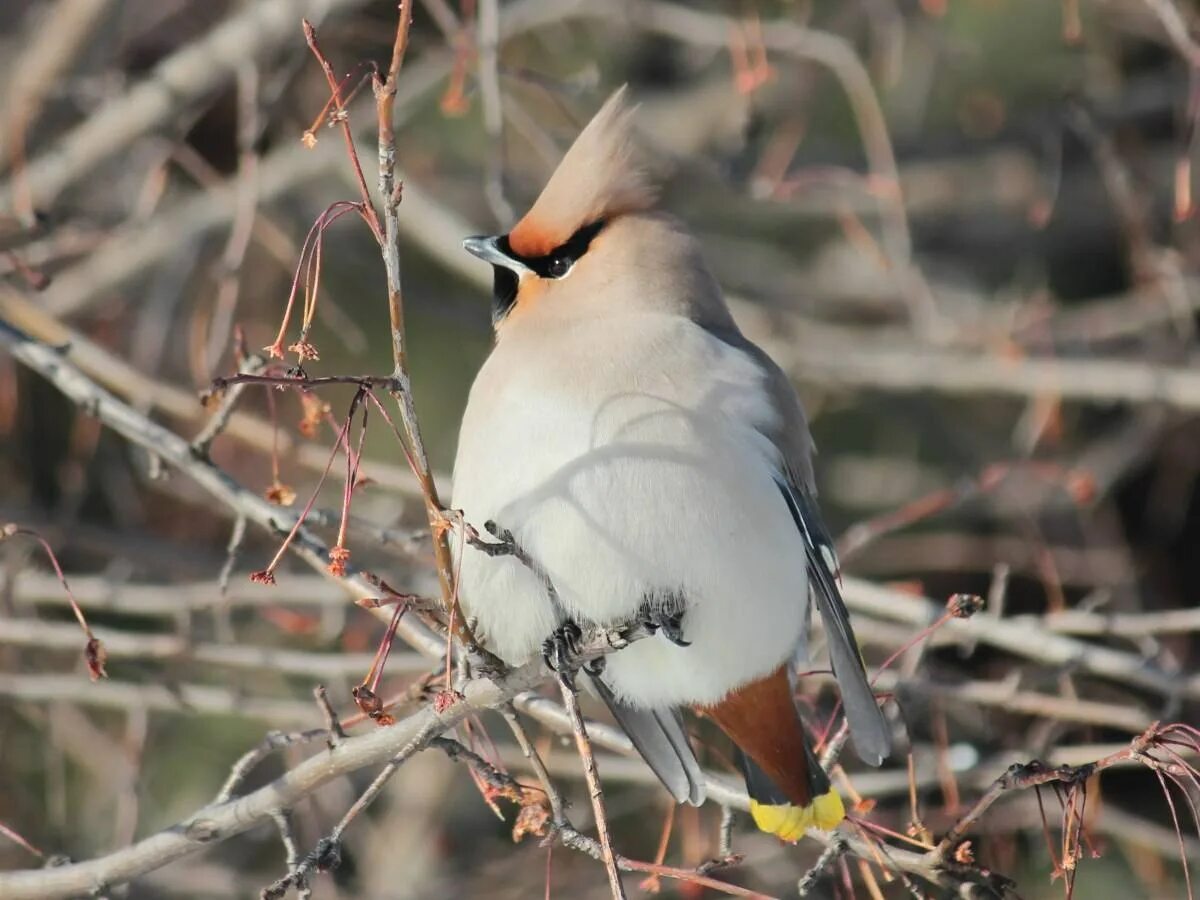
[(561, 649), (656, 619)]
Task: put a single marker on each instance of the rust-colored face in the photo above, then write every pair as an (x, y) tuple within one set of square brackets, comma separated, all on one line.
[(528, 240)]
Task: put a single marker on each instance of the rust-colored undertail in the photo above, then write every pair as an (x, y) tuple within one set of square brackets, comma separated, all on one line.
[(789, 792)]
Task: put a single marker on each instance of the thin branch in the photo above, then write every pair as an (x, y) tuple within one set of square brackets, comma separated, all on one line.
[(275, 740), (327, 853), (566, 682), (334, 733), (836, 850), (219, 421), (557, 807), (341, 119), (390, 192)]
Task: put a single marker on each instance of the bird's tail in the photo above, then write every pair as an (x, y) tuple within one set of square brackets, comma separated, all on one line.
[(775, 812), (789, 792)]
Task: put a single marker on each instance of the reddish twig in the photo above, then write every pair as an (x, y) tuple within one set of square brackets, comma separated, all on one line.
[(343, 120), (20, 841), (94, 653), (267, 575), (366, 694), (653, 884)]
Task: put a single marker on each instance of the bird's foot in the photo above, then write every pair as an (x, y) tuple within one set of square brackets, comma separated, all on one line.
[(655, 618), (561, 649)]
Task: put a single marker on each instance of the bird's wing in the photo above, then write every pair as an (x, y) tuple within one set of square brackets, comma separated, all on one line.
[(659, 737), (868, 728)]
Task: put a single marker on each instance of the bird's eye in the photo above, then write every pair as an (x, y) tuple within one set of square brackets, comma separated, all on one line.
[(559, 266)]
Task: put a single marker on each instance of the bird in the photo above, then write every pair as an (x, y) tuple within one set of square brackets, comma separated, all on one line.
[(655, 466)]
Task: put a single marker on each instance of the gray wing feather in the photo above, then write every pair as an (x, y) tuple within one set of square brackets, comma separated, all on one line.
[(868, 728), (660, 738)]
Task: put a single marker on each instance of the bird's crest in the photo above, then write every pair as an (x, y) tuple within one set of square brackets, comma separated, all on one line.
[(599, 178)]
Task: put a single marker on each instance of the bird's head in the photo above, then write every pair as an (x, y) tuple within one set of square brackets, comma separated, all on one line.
[(574, 232)]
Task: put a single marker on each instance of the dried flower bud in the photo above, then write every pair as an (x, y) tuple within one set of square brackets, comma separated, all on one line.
[(337, 561), (534, 818), (963, 606), (96, 656), (305, 350), (315, 409), (368, 701), (964, 854), (280, 493)]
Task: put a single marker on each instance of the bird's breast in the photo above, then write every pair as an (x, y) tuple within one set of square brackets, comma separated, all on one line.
[(627, 468)]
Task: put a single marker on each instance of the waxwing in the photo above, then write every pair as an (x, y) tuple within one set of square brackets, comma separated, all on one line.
[(656, 466)]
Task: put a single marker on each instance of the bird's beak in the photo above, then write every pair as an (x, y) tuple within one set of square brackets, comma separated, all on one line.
[(488, 249)]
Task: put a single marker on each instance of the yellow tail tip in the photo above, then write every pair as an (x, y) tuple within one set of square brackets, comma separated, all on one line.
[(789, 822)]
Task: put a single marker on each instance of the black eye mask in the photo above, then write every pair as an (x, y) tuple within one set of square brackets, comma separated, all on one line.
[(555, 264)]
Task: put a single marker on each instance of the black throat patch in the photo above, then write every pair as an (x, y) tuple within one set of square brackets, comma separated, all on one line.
[(504, 292)]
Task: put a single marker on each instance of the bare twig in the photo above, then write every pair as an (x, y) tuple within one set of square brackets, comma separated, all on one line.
[(832, 853), (584, 844), (327, 853), (334, 733), (94, 652), (1020, 776), (275, 740), (566, 681), (283, 822), (219, 421), (391, 194), (107, 370), (557, 807), (342, 121)]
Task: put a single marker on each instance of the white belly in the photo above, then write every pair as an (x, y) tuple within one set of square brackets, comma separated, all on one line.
[(632, 482)]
